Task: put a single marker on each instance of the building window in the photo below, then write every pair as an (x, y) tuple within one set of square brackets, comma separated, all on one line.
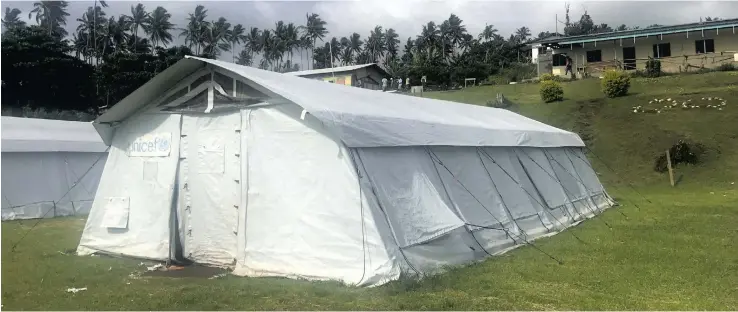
[(705, 46), (594, 56), (559, 60), (661, 50)]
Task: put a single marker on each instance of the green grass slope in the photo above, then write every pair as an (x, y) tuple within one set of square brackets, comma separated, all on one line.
[(629, 142), (675, 250)]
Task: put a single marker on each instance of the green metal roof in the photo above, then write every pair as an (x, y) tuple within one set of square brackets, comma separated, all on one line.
[(654, 31)]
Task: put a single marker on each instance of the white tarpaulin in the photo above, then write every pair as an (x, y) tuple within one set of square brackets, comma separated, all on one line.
[(327, 182), (49, 167)]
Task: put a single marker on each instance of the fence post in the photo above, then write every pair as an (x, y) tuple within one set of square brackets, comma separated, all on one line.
[(668, 164)]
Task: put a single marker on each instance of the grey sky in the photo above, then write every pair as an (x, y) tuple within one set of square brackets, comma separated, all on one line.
[(408, 16)]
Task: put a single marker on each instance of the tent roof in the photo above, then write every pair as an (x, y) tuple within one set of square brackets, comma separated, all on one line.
[(366, 118), (45, 135)]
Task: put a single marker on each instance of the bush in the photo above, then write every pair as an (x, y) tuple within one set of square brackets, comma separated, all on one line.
[(615, 83), (653, 68), (551, 91), (726, 67), (680, 153), (550, 77)]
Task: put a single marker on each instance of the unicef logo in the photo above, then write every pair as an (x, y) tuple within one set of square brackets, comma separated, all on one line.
[(162, 144)]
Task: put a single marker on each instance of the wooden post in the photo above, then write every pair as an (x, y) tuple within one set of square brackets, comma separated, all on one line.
[(668, 164)]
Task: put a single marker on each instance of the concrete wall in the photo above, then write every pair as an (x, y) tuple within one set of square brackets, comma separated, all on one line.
[(683, 55)]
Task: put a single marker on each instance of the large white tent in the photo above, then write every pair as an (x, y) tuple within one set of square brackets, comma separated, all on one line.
[(275, 175), (50, 168)]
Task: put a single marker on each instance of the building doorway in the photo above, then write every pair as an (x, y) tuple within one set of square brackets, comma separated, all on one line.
[(629, 58)]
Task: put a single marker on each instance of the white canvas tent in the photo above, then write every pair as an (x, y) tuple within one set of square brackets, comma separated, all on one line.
[(50, 168), (275, 175)]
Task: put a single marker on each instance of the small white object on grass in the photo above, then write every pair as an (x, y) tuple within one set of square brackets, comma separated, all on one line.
[(76, 290)]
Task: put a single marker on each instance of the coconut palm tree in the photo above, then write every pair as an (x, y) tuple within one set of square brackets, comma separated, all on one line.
[(267, 42), (391, 42), (355, 44), (92, 23), (291, 39), (235, 36), (114, 35), (252, 41), (487, 33), (522, 34), (376, 44), (139, 18), (11, 19), (51, 15), (159, 26), (216, 38), (315, 28), (196, 28), (244, 58)]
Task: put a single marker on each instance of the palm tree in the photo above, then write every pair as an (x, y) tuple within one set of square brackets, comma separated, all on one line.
[(216, 38), (91, 24), (11, 19), (159, 26), (252, 41), (114, 35), (355, 44), (267, 44), (315, 28), (196, 28), (391, 42), (376, 43), (291, 39), (522, 34), (51, 15), (235, 36), (487, 33), (429, 38), (244, 58), (139, 18), (334, 49)]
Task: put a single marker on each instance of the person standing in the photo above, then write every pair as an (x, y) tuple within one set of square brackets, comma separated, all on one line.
[(384, 84), (568, 65)]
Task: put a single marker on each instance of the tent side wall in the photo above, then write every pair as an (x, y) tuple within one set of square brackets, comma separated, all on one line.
[(453, 205), (49, 184), (132, 209), (306, 214)]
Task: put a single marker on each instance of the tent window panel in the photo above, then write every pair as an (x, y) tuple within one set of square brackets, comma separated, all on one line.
[(594, 56), (661, 50), (180, 93), (203, 79), (224, 81), (198, 103), (244, 90)]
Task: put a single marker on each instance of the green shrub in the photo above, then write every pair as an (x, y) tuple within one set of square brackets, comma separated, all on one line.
[(615, 83), (726, 67), (653, 68), (550, 77), (551, 91)]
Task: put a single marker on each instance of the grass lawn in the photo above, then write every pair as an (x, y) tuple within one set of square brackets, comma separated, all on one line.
[(677, 250)]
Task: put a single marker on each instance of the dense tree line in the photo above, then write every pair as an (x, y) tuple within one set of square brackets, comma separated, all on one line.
[(107, 57)]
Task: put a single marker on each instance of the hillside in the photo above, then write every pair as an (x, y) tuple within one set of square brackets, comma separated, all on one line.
[(629, 142)]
